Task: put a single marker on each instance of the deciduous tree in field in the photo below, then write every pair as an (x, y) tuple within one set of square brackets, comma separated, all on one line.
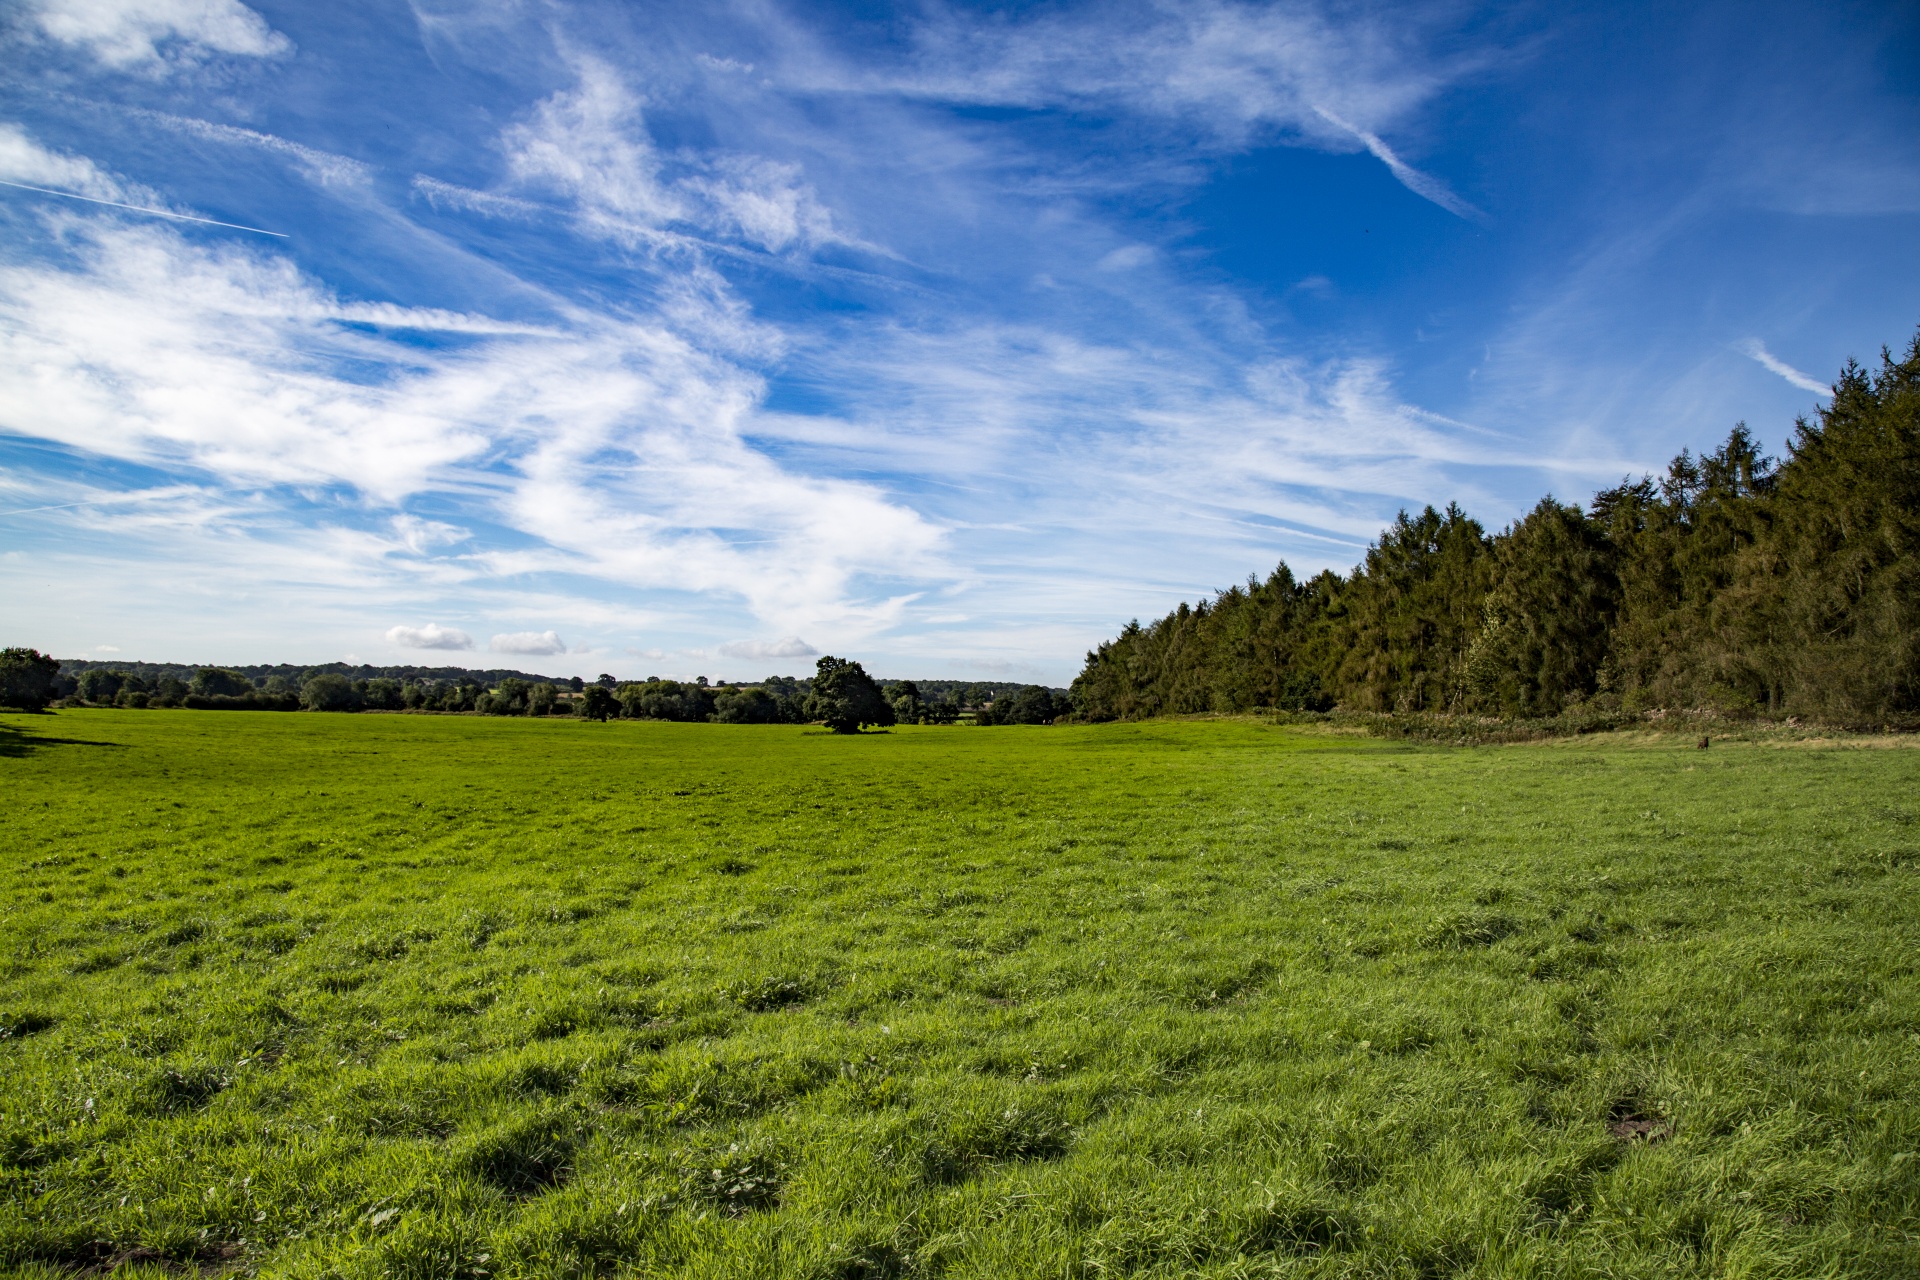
[(845, 697), (597, 703), (27, 678)]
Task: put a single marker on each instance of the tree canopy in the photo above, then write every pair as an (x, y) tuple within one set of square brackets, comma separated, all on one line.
[(845, 698), (27, 678), (1734, 582)]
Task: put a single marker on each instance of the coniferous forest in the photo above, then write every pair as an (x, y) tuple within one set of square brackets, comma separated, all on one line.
[(1735, 583)]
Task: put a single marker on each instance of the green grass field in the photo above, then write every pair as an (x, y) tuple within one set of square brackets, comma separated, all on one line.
[(312, 995)]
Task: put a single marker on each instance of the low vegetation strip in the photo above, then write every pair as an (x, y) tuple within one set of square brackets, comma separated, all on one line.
[(443, 996)]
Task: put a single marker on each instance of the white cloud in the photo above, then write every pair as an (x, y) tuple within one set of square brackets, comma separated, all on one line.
[(591, 144), (431, 636), (324, 167), (1421, 184), (24, 160), (106, 648), (130, 33), (764, 203), (791, 647), (615, 443), (1126, 258), (1756, 351), (529, 643), (446, 195), (1228, 75)]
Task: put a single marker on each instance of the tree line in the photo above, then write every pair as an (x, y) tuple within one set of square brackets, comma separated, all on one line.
[(1734, 582), (838, 690)]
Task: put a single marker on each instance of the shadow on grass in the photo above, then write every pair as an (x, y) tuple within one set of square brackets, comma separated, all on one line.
[(16, 742)]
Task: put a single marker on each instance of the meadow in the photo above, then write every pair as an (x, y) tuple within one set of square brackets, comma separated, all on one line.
[(437, 996)]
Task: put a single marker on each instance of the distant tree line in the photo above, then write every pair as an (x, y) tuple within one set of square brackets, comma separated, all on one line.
[(848, 696), (1733, 582)]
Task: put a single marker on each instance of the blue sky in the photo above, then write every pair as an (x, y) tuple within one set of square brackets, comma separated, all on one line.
[(700, 339)]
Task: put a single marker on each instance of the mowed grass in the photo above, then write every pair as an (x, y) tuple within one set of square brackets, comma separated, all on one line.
[(315, 995)]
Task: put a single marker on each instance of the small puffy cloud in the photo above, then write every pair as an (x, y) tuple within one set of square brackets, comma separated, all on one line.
[(531, 643), (106, 648), (129, 33), (791, 647), (431, 636)]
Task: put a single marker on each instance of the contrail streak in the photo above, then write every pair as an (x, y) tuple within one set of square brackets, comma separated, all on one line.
[(139, 208)]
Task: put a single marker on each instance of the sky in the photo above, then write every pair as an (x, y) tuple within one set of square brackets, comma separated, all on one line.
[(705, 339)]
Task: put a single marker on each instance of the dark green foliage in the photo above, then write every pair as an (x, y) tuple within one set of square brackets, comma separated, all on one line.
[(218, 682), (666, 700), (597, 703), (1030, 704), (904, 697), (747, 706), (511, 697), (1545, 629), (1730, 584), (27, 678), (100, 685), (382, 694), (329, 693), (844, 697)]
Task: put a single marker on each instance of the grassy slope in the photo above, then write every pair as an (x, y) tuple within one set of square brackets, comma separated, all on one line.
[(435, 996)]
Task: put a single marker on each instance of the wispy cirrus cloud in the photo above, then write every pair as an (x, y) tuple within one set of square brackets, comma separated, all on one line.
[(1756, 351), (1227, 75), (590, 145), (325, 167)]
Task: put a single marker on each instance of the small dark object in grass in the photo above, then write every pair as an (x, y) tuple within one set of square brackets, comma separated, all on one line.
[(1627, 1123), (1704, 741)]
